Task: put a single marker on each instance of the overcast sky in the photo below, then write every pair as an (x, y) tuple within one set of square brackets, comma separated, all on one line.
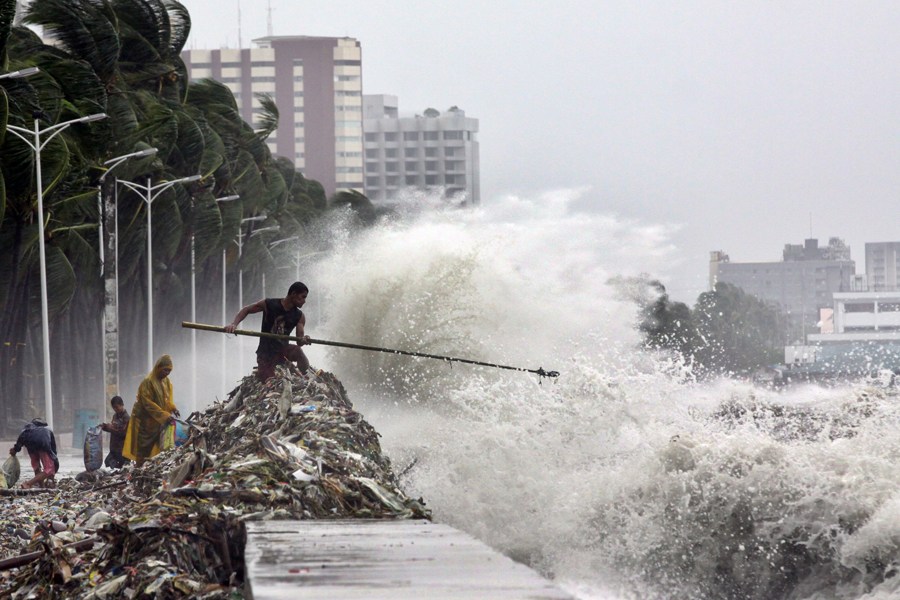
[(741, 125)]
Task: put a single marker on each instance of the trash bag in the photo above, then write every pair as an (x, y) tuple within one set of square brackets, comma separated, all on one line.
[(93, 448), (175, 433), (11, 471)]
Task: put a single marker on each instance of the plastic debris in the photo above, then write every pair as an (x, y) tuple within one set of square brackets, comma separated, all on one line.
[(289, 448), (93, 448), (11, 471)]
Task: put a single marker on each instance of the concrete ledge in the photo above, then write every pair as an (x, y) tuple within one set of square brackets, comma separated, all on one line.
[(377, 559)]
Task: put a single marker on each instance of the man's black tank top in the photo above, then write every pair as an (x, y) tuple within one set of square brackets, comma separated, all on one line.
[(277, 320)]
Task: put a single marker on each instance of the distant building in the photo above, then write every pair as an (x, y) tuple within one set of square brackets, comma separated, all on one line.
[(800, 285), (432, 151), (861, 316), (883, 266), (316, 83)]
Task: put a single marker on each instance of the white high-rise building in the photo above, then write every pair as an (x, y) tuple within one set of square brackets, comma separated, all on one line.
[(432, 151), (883, 266), (317, 86)]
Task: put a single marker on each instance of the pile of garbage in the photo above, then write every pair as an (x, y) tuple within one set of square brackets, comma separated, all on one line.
[(289, 448)]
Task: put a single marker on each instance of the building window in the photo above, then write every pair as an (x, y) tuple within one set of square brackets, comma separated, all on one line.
[(262, 63), (349, 154), (347, 63), (372, 152), (431, 180), (410, 165), (412, 180), (430, 135), (431, 165), (410, 152), (392, 180), (411, 136), (453, 165), (371, 137), (348, 170), (371, 166), (372, 182), (860, 307), (453, 135), (201, 65), (391, 166), (390, 136), (262, 79), (348, 138), (347, 93), (390, 153), (346, 77), (298, 94), (431, 152)]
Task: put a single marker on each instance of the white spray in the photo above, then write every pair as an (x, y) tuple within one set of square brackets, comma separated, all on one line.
[(622, 479)]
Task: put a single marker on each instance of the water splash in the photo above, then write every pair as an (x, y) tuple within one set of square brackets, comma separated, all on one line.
[(623, 479)]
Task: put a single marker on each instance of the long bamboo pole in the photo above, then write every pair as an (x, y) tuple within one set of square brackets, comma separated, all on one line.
[(261, 334)]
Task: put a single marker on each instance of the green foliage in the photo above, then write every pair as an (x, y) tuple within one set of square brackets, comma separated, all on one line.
[(728, 332), (735, 331), (123, 58)]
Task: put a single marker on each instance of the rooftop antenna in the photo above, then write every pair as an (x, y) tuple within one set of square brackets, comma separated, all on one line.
[(240, 37), (269, 18)]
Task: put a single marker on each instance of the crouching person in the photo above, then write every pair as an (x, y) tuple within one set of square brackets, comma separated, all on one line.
[(38, 439)]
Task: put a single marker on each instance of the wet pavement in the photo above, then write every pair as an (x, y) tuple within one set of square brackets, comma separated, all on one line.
[(381, 559), (71, 460)]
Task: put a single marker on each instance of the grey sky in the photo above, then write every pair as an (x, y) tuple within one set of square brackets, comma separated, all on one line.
[(733, 122)]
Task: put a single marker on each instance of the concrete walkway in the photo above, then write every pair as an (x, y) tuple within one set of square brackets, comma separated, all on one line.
[(375, 559)]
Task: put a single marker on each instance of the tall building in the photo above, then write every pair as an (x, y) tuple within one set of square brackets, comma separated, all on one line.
[(435, 151), (883, 266), (801, 284), (316, 83)]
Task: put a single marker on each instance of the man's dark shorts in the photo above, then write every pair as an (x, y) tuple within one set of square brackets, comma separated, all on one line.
[(266, 362)]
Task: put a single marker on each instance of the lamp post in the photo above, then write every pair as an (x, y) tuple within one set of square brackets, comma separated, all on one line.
[(36, 146), (240, 296), (194, 310), (109, 271), (293, 238), (240, 244), (150, 193)]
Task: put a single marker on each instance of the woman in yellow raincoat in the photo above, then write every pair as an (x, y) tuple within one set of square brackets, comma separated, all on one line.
[(152, 410)]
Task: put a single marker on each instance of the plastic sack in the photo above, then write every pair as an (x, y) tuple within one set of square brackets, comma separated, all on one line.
[(175, 433), (93, 448), (11, 471)]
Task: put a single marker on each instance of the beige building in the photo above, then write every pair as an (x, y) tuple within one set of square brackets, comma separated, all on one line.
[(316, 83)]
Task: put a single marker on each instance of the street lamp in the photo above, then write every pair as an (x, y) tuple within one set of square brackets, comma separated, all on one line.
[(293, 238), (240, 244), (263, 275), (194, 311), (151, 192), (36, 146), (108, 236), (20, 73)]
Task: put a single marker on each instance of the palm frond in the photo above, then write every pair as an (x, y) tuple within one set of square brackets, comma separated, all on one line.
[(85, 28), (267, 122)]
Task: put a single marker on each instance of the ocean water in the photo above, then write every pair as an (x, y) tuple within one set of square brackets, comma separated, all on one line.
[(624, 477)]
